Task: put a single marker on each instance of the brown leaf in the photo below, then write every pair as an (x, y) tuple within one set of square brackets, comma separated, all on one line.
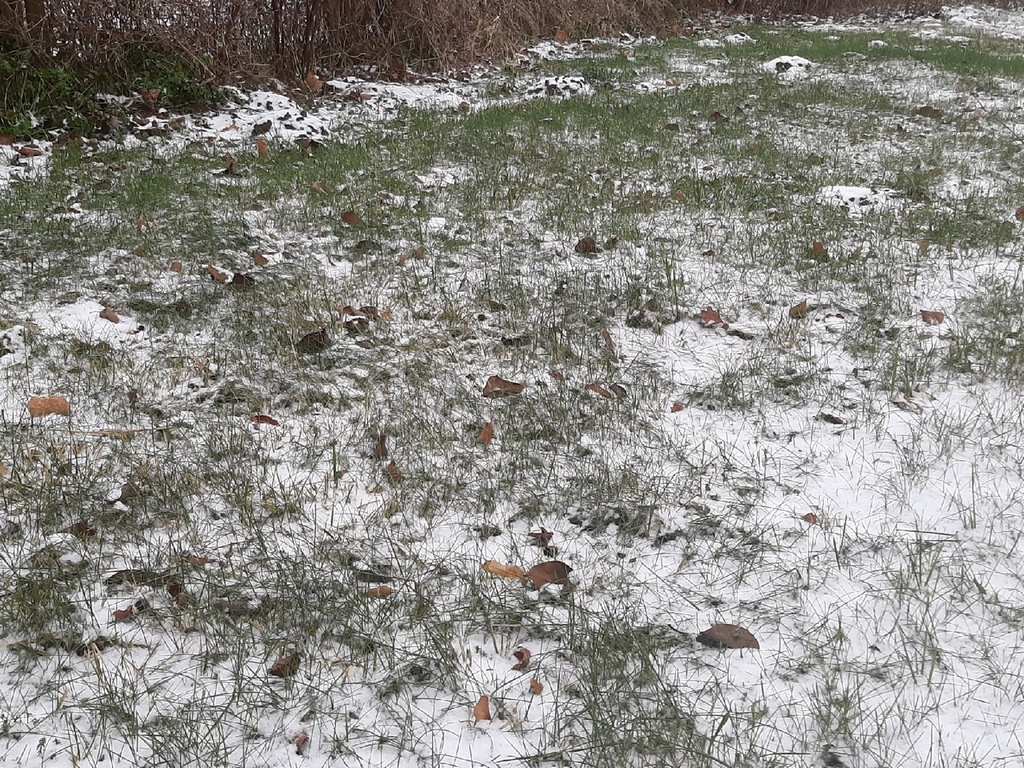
[(607, 339), (536, 686), (242, 280), (286, 666), (314, 341), (495, 568), (124, 615), (380, 592), (906, 404), (677, 407), (929, 111), (176, 266), (486, 434), (1019, 215), (499, 387), (394, 473), (259, 259), (818, 251), (800, 310), (313, 82), (679, 196), (129, 491), (215, 274), (351, 218), (380, 446), (260, 418), (301, 743), (932, 317), (586, 245), (727, 636), (811, 518), (262, 148), (557, 376), (710, 317), (523, 654), (48, 406), (599, 390), (831, 418), (30, 150), (482, 710), (81, 529), (108, 314), (319, 187), (551, 572), (197, 560)]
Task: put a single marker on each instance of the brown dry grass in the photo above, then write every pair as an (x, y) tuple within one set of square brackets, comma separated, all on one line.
[(257, 38)]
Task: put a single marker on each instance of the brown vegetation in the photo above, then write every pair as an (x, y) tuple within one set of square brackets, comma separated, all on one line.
[(291, 37)]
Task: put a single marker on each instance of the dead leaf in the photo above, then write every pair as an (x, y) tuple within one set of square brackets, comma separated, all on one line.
[(617, 389), (313, 82), (301, 743), (215, 274), (499, 387), (124, 615), (486, 434), (314, 341), (710, 318), (523, 654), (1019, 215), (260, 418), (81, 529), (482, 710), (561, 36), (536, 686), (380, 446), (229, 164), (677, 407), (727, 636), (679, 196), (259, 259), (262, 148), (551, 572), (495, 568), (176, 266), (394, 474), (30, 150), (599, 390), (906, 404), (831, 418), (541, 539), (929, 111), (557, 376), (380, 592), (319, 187), (931, 317), (586, 245), (818, 251), (39, 407), (811, 518), (351, 218), (197, 560), (606, 337), (286, 666), (242, 280), (110, 315), (798, 311)]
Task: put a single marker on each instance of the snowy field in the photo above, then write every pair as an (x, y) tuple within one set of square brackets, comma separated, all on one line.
[(444, 422)]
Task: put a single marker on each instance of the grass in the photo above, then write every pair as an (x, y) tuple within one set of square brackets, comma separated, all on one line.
[(676, 486)]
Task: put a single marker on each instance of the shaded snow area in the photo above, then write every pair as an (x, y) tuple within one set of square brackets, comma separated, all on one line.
[(644, 402)]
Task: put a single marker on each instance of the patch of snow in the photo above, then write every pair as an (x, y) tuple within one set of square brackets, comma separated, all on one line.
[(82, 320), (788, 67), (740, 38), (857, 200), (560, 87), (710, 42)]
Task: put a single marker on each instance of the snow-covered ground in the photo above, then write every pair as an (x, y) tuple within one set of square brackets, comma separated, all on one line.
[(249, 545)]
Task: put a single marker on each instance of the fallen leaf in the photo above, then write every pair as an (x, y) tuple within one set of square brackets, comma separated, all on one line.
[(551, 572), (379, 592), (831, 418), (81, 529), (906, 404), (798, 311), (929, 111), (523, 654), (241, 280), (679, 196), (380, 446), (129, 491), (262, 148), (124, 615), (30, 150), (586, 245), (215, 274), (314, 341), (599, 390), (495, 568), (557, 376), (677, 407), (727, 636), (260, 418), (110, 315), (499, 387), (710, 317), (394, 473), (351, 218), (286, 666), (607, 339), (811, 518), (536, 686), (618, 390), (176, 266), (301, 743), (541, 539), (561, 36), (39, 407), (482, 710), (313, 82), (932, 317), (486, 434), (197, 560), (320, 187), (1019, 214), (818, 251)]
